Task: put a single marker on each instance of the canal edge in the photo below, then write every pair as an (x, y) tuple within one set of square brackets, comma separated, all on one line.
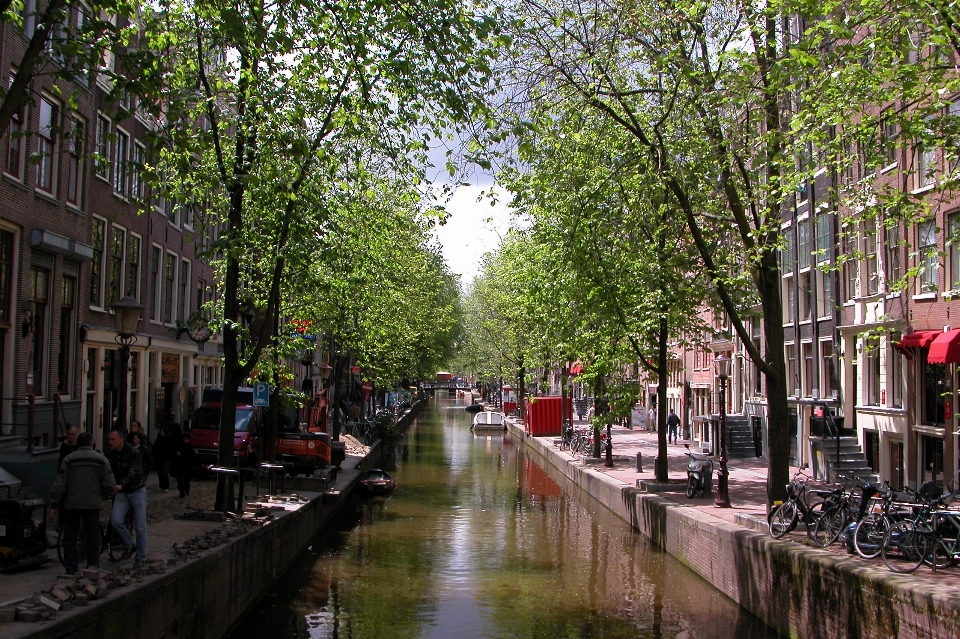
[(796, 590)]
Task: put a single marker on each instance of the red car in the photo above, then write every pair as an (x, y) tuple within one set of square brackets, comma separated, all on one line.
[(205, 429)]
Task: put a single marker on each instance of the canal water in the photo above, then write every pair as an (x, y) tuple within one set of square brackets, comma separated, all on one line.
[(478, 541)]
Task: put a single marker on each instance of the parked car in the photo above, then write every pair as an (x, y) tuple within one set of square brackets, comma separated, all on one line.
[(205, 428)]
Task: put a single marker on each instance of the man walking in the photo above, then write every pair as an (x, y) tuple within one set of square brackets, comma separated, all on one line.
[(131, 493), (82, 481), (673, 422), (652, 420)]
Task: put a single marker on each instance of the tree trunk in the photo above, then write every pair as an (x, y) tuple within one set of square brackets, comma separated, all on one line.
[(661, 469), (778, 433)]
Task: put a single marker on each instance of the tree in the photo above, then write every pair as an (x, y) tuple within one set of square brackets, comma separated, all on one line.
[(263, 98)]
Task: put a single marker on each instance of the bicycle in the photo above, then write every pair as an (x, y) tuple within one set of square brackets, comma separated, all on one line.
[(908, 543), (785, 517), (840, 511), (109, 540), (869, 532)]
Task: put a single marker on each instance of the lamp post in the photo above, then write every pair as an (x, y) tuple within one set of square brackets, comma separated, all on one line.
[(722, 367), (126, 318)]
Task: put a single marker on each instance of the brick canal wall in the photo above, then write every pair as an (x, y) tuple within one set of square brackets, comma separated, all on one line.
[(207, 596), (796, 590)]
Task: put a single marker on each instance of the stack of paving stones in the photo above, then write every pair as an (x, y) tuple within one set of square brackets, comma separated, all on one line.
[(80, 589), (191, 548)]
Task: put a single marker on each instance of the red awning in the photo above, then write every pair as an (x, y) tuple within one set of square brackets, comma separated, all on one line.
[(945, 349), (576, 368), (919, 339)]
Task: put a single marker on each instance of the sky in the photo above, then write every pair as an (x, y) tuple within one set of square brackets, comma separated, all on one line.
[(472, 229)]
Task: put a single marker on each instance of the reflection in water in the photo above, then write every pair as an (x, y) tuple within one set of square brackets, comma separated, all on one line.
[(479, 541)]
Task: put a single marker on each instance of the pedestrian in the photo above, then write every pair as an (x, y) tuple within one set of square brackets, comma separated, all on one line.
[(183, 464), (69, 444), (139, 441), (137, 427), (652, 420), (673, 422), (163, 450), (82, 481), (131, 494)]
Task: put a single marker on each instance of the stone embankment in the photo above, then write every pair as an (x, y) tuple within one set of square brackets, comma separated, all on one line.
[(797, 590), (201, 575)]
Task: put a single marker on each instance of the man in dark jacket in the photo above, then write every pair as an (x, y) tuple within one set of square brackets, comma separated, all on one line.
[(82, 481), (131, 493)]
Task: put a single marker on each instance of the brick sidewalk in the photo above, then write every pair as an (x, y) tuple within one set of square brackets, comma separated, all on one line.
[(747, 488)]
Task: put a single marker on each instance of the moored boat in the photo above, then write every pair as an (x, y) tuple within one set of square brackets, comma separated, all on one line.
[(376, 482), (474, 408), (488, 420)]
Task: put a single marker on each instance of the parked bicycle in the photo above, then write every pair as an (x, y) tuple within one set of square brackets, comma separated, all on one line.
[(931, 536), (888, 508), (797, 509)]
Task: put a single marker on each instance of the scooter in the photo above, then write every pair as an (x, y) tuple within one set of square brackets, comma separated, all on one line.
[(699, 474)]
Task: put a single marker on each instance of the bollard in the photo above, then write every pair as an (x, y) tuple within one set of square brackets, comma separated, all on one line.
[(639, 462)]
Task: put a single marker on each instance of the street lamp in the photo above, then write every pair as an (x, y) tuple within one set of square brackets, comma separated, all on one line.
[(126, 318), (721, 365)]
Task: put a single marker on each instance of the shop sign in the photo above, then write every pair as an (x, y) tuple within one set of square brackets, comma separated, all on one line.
[(169, 368)]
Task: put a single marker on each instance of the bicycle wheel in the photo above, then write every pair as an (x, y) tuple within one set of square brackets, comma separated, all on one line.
[(903, 548), (783, 519), (868, 535), (691, 487), (81, 545), (828, 526)]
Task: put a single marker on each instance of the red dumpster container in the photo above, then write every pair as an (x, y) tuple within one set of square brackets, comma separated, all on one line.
[(542, 415)]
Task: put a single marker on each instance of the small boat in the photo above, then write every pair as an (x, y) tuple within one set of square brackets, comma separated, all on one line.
[(488, 420), (474, 408), (376, 482)]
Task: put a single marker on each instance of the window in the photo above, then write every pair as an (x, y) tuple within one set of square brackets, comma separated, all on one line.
[(184, 298), (824, 230), (173, 213), (6, 274), (953, 242), (156, 270), (117, 246), (29, 17), (824, 293), (804, 295), (927, 255), (934, 389), (122, 147), (15, 144), (201, 290), (186, 216), (809, 375), (38, 294), (803, 244), (890, 142), (871, 258), (926, 153), (827, 371), (789, 255), (46, 143), (895, 373), (102, 166), (74, 140), (96, 266), (136, 171), (788, 299), (793, 380), (169, 284), (871, 372), (893, 261), (67, 331), (132, 288)]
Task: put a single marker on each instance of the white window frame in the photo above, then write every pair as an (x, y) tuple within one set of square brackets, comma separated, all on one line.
[(121, 277), (156, 313), (173, 295), (184, 290), (49, 157), (98, 304), (139, 238), (103, 147), (136, 170), (121, 160)]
